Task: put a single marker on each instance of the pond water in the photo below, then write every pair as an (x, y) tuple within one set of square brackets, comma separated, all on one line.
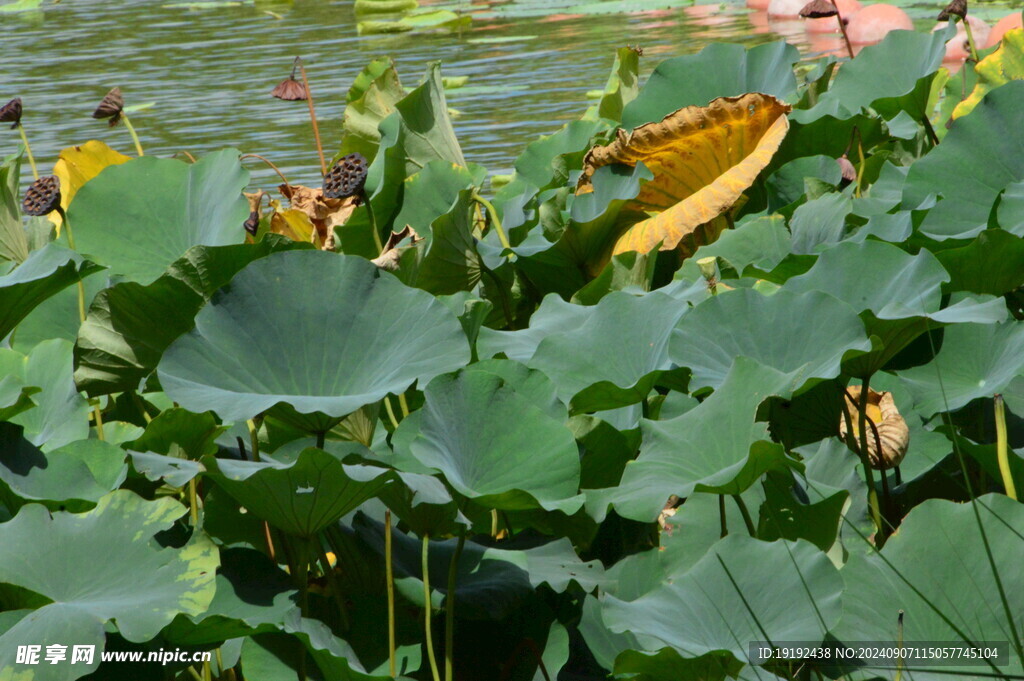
[(209, 72)]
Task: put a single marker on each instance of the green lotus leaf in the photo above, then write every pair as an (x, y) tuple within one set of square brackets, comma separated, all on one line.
[(465, 431), (61, 415), (759, 243), (622, 87), (805, 335), (721, 603), (13, 240), (909, 61), (253, 596), (993, 263), (975, 162), (56, 317), (788, 184), (552, 317), (130, 325), (371, 98), (177, 430), (936, 571), (897, 295), (719, 70), (44, 273), (173, 470), (272, 337), (99, 567), (139, 217), (545, 163), (716, 446), (819, 223), (80, 471), (300, 497), (976, 360), (15, 397), (424, 504)]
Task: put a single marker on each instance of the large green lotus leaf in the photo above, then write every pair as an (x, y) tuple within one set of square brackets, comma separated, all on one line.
[(371, 99), (788, 184), (464, 432), (622, 87), (937, 561), (716, 446), (430, 193), (981, 155), (805, 335), (896, 293), (15, 397), (81, 471), (993, 263), (56, 317), (760, 243), (179, 430), (719, 70), (894, 75), (101, 566), (553, 316), (139, 217), (976, 360), (819, 223), (1010, 211), (742, 590), (130, 325), (613, 358), (317, 331), (61, 415), (45, 272), (424, 504), (300, 497), (253, 596)]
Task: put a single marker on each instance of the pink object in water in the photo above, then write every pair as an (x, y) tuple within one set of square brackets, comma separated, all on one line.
[(758, 4), (957, 48), (789, 9), (847, 8), (872, 23), (1007, 23)]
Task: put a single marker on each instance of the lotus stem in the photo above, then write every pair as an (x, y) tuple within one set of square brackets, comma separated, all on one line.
[(332, 581), (721, 515), (860, 166), (312, 118), (207, 675), (427, 609), (842, 29), (886, 497), (930, 130), (301, 575), (390, 575), (28, 152), (131, 131), (495, 220), (862, 416), (193, 502), (899, 646), (403, 404), (494, 523), (320, 439), (195, 675), (270, 542), (449, 610), (254, 438), (746, 515), (1003, 449), (970, 39), (269, 163), (391, 411)]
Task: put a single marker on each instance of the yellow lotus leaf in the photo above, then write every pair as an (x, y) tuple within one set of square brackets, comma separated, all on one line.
[(703, 158), (79, 164), (998, 68), (886, 428), (295, 225)]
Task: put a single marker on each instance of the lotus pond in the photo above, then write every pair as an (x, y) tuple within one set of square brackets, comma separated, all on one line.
[(736, 355)]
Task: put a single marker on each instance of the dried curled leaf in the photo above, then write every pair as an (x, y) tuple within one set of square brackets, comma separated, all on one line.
[(323, 213), (702, 158), (892, 429), (390, 256)]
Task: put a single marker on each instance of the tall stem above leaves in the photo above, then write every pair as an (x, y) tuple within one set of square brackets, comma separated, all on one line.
[(1003, 449), (28, 151)]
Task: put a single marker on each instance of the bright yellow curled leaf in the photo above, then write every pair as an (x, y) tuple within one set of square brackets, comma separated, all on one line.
[(79, 164), (998, 68), (703, 158)]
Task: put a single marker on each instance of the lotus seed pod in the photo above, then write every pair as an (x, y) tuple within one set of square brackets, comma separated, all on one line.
[(11, 112), (818, 9), (346, 177), (957, 8), (892, 430), (110, 107), (43, 197)]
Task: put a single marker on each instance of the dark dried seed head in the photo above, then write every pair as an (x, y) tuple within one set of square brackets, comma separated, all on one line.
[(346, 177), (957, 8), (290, 90), (111, 107), (818, 9), (42, 197), (846, 169), (11, 112), (252, 223)]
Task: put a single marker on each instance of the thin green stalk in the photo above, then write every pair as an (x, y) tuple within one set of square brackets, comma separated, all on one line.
[(301, 575), (193, 502), (496, 221), (886, 496), (332, 581), (1003, 449), (862, 417), (721, 515), (970, 39), (403, 404), (28, 152), (494, 523), (220, 661), (207, 675), (391, 411), (746, 515), (194, 673), (320, 439), (131, 131), (427, 610), (254, 438), (851, 442), (390, 570), (449, 611)]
